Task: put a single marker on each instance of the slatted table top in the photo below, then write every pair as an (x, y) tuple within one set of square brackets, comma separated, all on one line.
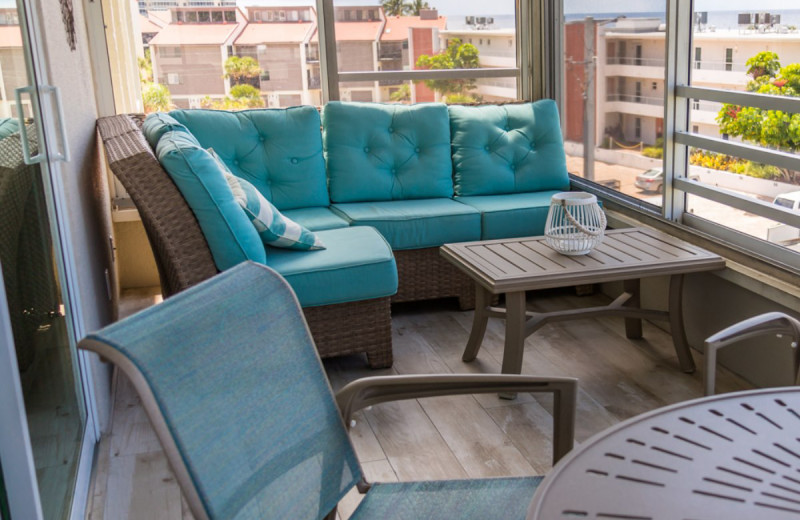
[(732, 456), (528, 263)]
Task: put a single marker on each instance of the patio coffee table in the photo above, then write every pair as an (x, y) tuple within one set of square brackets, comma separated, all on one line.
[(513, 266), (732, 456)]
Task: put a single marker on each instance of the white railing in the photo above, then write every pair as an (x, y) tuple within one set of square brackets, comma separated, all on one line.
[(633, 98), (639, 62)]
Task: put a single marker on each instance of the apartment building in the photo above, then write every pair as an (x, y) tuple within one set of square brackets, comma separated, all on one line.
[(278, 38), (189, 54), (496, 49), (630, 73)]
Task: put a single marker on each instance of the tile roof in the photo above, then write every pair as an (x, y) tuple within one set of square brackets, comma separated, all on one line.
[(397, 26), (150, 26), (194, 34), (357, 31), (291, 32)]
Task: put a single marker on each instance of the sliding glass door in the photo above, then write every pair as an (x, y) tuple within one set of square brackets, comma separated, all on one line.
[(37, 298)]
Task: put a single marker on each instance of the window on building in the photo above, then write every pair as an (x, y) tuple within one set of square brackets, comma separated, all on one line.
[(216, 16), (638, 94), (203, 17), (257, 16), (728, 59), (191, 17), (230, 15), (698, 57), (179, 16), (637, 128)]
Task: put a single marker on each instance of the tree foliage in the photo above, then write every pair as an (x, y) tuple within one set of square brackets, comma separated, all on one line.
[(241, 68), (242, 97), (774, 129), (395, 7), (458, 55), (155, 97), (416, 5)]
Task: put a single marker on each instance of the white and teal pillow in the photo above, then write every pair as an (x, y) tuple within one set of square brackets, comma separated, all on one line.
[(273, 228)]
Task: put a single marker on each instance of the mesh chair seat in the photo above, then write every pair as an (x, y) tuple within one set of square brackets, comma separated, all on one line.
[(480, 499)]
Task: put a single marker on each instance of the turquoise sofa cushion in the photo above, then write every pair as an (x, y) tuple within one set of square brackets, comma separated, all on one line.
[(415, 224), (508, 149), (378, 152), (511, 215), (279, 151), (229, 233), (157, 124), (357, 265), (316, 219), (273, 227)]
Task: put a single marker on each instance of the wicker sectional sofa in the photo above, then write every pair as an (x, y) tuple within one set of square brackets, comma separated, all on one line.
[(383, 186)]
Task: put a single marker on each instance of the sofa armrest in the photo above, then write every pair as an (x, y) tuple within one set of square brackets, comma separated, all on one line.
[(374, 390)]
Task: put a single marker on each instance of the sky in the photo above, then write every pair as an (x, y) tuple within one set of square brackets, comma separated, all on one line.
[(482, 7)]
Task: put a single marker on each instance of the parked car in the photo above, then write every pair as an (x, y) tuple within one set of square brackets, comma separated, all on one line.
[(653, 180), (789, 200)]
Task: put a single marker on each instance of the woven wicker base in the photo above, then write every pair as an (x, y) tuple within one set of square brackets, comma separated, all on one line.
[(352, 328), (424, 275)]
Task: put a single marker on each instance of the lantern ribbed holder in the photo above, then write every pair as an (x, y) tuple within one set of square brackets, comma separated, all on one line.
[(575, 223)]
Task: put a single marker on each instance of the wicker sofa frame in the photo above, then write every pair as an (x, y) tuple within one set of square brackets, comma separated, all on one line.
[(184, 259)]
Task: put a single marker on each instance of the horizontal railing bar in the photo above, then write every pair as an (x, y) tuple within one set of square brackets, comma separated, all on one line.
[(428, 74), (766, 102), (734, 200), (745, 151)]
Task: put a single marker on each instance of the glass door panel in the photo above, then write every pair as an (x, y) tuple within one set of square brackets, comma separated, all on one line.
[(31, 264)]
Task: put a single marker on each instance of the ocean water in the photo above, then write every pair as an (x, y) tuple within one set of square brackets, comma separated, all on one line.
[(719, 19)]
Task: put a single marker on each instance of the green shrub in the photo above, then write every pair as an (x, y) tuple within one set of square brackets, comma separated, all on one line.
[(654, 152)]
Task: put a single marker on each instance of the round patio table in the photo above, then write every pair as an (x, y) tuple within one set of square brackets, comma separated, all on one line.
[(731, 456)]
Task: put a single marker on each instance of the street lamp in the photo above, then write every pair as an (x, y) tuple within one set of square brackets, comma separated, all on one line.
[(589, 94)]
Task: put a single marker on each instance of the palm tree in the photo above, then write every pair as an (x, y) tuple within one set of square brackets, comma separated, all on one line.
[(395, 7), (241, 69), (415, 6)]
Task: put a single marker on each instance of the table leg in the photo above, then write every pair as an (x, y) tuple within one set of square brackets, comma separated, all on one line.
[(515, 335), (676, 324), (633, 326), (479, 319)]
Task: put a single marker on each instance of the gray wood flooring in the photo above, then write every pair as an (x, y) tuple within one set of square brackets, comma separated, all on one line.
[(450, 437)]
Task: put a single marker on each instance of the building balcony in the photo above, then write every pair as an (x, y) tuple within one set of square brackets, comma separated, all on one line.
[(635, 105)]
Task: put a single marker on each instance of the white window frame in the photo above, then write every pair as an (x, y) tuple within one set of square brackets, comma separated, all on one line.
[(530, 50)]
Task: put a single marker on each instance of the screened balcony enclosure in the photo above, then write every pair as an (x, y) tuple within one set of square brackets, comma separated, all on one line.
[(705, 97)]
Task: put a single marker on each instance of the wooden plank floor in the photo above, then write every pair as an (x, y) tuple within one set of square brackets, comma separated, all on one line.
[(450, 437)]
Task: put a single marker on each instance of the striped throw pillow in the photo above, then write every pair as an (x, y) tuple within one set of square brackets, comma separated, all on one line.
[(273, 228)]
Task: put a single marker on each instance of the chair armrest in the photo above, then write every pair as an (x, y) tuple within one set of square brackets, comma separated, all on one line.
[(374, 390), (768, 323)]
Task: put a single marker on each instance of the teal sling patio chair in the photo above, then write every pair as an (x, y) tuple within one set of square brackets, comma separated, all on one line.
[(230, 379)]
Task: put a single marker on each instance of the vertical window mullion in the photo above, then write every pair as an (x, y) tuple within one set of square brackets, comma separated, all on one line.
[(328, 64), (676, 111)]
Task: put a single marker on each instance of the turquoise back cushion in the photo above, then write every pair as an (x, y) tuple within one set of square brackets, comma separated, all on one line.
[(229, 233), (158, 123), (377, 152), (508, 149), (279, 151)]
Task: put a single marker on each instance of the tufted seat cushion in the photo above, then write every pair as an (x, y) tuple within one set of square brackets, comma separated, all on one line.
[(316, 219), (511, 215), (357, 265), (378, 152), (279, 151), (416, 224), (507, 149)]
